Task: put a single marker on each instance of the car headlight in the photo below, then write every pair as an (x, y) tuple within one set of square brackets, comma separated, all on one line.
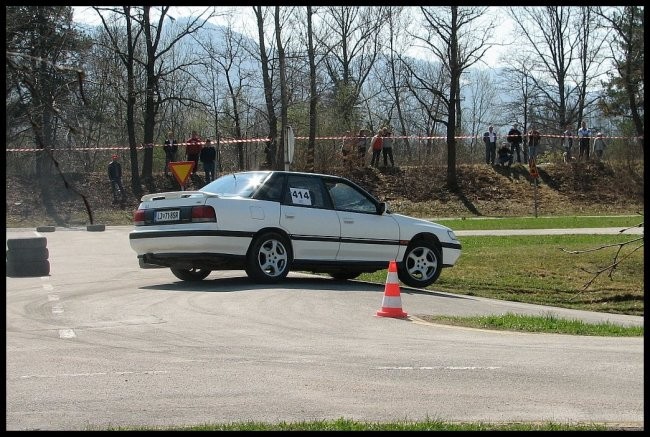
[(452, 235)]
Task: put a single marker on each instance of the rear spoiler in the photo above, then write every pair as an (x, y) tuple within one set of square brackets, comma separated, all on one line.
[(176, 195)]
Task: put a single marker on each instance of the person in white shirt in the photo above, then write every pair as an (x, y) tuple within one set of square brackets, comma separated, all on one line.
[(584, 136)]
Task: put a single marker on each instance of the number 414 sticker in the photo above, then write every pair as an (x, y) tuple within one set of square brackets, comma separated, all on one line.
[(300, 196)]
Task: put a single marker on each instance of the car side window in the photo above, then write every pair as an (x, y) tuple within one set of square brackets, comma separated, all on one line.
[(271, 190), (347, 198), (304, 191)]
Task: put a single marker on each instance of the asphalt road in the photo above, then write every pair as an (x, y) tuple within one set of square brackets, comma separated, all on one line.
[(100, 342)]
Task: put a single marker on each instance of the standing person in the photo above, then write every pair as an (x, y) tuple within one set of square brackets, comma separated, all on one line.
[(362, 146), (387, 148), (115, 177), (584, 135), (490, 140), (193, 149), (514, 138), (376, 144), (534, 138), (347, 148), (567, 143), (599, 146), (170, 148), (208, 157)]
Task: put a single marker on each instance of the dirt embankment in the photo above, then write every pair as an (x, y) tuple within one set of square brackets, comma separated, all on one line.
[(577, 188)]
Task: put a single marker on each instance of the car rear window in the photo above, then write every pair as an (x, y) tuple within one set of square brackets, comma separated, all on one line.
[(236, 184)]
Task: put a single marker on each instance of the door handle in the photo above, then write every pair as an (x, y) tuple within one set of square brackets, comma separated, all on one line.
[(289, 216), (348, 221)]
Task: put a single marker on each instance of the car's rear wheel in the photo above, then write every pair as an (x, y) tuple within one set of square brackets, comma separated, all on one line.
[(421, 265), (190, 274), (268, 258), (344, 275)]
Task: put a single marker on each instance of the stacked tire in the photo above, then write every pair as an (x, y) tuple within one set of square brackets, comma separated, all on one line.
[(27, 257)]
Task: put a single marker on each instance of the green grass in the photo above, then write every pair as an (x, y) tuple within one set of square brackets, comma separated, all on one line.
[(352, 425), (534, 269), (545, 324), (541, 222)]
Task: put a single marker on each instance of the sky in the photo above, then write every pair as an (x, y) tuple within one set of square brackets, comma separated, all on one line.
[(244, 22)]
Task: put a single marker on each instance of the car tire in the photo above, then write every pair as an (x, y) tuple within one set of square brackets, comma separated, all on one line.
[(28, 269), (268, 258), (192, 275), (26, 243), (421, 265), (344, 275), (96, 228), (28, 255)]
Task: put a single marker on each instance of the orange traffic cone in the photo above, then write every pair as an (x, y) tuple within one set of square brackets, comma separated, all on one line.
[(391, 305)]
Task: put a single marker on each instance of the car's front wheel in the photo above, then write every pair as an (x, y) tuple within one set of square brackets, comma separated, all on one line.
[(190, 274), (268, 258), (421, 264)]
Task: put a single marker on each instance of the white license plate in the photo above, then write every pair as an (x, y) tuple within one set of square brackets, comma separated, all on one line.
[(167, 216)]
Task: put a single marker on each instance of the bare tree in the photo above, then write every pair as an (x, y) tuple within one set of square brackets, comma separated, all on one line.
[(454, 35), (155, 70), (481, 104), (624, 93), (313, 95), (227, 52), (564, 52), (271, 146), (283, 85), (395, 19), (518, 81), (127, 57), (351, 41)]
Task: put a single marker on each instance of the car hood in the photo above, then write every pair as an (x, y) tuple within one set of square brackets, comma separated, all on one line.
[(413, 222)]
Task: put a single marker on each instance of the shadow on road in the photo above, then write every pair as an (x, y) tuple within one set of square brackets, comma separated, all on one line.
[(312, 284)]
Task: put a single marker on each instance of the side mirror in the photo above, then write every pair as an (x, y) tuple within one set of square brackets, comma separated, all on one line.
[(382, 208)]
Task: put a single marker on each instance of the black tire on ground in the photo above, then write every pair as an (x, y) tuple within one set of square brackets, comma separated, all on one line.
[(269, 258), (27, 243), (95, 228), (45, 229), (192, 275), (31, 269), (344, 275), (27, 255), (421, 265)]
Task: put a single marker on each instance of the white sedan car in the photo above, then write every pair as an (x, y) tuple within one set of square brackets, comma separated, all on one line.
[(271, 222)]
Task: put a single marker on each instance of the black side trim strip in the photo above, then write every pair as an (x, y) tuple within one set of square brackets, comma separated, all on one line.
[(193, 233), (451, 245)]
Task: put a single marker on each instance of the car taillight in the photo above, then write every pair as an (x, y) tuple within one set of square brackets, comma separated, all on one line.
[(201, 214), (138, 217)]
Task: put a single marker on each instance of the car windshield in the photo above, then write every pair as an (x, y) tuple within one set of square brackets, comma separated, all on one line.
[(236, 184)]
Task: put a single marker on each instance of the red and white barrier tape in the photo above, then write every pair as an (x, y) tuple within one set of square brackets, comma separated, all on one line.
[(258, 140)]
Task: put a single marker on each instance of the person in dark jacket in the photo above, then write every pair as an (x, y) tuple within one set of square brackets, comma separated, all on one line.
[(208, 157), (193, 150), (515, 140), (534, 137), (170, 148), (490, 140), (115, 177)]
